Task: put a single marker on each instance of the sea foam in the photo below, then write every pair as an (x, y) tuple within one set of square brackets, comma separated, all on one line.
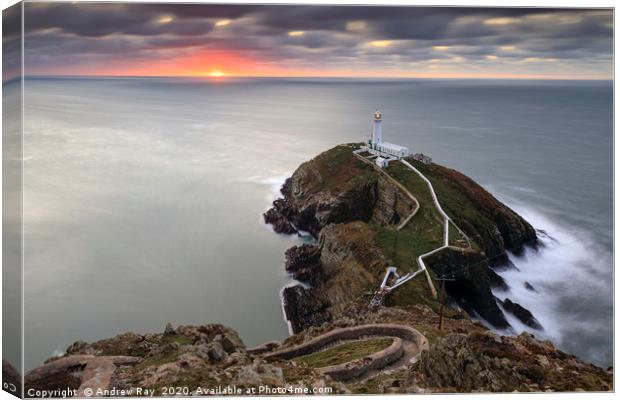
[(571, 275)]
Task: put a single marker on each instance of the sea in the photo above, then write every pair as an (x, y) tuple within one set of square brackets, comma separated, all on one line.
[(143, 197)]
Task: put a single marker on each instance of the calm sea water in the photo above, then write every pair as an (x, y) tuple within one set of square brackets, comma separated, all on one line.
[(143, 197)]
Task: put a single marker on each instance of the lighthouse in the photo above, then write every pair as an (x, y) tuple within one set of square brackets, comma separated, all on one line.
[(376, 129), (384, 150)]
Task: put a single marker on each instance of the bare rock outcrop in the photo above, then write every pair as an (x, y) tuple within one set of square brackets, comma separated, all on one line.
[(523, 314), (487, 362), (341, 266)]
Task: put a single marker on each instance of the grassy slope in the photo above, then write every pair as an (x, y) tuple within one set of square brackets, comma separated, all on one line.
[(463, 210), (422, 234), (338, 166), (345, 352)]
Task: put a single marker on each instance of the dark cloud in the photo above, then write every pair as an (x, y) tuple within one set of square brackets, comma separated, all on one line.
[(11, 42), (57, 32)]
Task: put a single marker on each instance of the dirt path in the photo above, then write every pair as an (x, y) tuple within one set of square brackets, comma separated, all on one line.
[(398, 185)]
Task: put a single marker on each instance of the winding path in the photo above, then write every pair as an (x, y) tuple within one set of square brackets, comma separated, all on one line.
[(398, 185), (405, 349), (446, 240), (401, 280)]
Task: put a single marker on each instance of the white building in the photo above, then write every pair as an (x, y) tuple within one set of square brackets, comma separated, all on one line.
[(381, 162), (376, 140), (393, 149)]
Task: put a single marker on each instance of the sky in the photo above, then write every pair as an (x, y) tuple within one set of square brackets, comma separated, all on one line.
[(315, 41)]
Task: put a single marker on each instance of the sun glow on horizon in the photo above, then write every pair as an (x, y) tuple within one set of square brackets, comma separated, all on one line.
[(165, 19), (216, 74), (502, 21)]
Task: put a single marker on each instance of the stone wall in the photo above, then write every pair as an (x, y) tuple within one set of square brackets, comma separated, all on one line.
[(356, 368)]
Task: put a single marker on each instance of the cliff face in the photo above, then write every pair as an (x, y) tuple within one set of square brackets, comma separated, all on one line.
[(335, 187), (343, 265), (493, 225), (353, 210), (472, 289)]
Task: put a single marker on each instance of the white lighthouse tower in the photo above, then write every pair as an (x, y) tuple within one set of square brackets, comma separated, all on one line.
[(384, 151), (376, 129)]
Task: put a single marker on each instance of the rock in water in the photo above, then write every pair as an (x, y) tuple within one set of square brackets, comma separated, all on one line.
[(522, 313), (529, 287), (278, 221), (497, 282), (304, 308)]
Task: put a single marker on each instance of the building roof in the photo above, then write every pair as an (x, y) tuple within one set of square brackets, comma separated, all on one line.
[(392, 146)]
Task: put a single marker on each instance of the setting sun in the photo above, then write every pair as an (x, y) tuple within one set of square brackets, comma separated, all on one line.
[(216, 74)]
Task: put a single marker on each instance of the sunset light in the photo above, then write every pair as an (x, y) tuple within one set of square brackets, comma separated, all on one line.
[(292, 41), (502, 21), (165, 19), (381, 43)]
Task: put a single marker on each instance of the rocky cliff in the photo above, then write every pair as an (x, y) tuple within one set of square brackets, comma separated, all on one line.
[(213, 360), (354, 211), (493, 225), (335, 188)]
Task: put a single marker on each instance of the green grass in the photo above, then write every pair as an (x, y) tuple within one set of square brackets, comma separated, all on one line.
[(427, 222), (340, 168), (464, 211), (422, 234), (415, 291), (403, 247), (345, 352)]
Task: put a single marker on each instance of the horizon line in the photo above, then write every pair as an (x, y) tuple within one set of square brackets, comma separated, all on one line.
[(225, 77)]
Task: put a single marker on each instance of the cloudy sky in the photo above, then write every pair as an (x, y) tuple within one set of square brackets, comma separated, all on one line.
[(228, 40)]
